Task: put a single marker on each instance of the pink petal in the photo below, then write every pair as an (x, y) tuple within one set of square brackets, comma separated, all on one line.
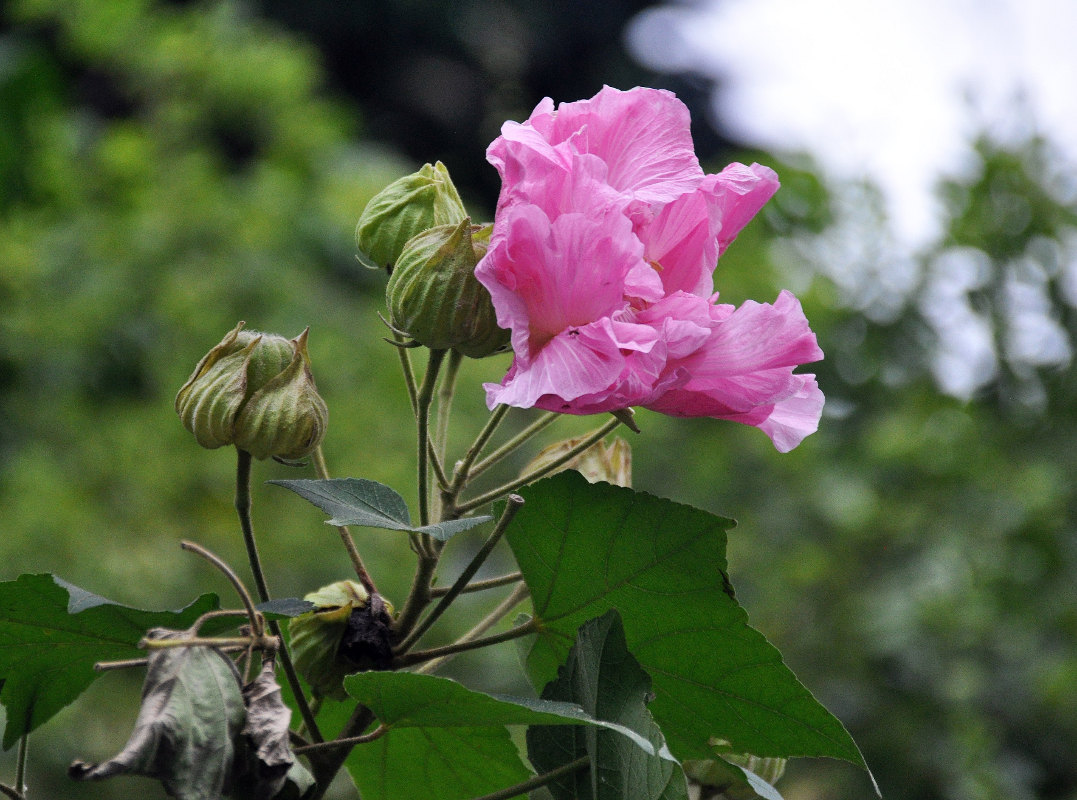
[(739, 193), (545, 277)]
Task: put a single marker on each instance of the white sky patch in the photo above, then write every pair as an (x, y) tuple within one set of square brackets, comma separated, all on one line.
[(888, 89)]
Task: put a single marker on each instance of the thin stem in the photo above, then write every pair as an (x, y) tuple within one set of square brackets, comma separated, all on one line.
[(325, 765), (487, 622), (463, 468), (513, 505), (243, 509), (580, 763), (256, 619), (523, 480), (445, 398), (419, 596), (7, 791), (542, 422), (422, 421), (270, 642), (409, 374), (479, 586), (419, 656), (350, 741), (322, 471), (20, 765)]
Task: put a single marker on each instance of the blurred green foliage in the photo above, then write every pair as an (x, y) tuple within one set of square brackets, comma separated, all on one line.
[(169, 169)]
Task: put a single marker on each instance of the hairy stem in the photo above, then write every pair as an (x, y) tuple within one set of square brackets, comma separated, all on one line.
[(513, 505), (419, 656), (583, 762), (480, 586), (487, 622), (243, 509), (322, 471), (595, 436), (422, 422), (508, 447)]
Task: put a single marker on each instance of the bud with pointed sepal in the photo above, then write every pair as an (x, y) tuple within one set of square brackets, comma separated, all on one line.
[(434, 297), (255, 390), (403, 209)]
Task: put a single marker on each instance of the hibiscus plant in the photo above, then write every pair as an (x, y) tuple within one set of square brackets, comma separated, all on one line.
[(649, 684)]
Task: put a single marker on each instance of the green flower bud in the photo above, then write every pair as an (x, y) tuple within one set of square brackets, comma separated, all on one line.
[(434, 297), (255, 390), (404, 208), (334, 640)]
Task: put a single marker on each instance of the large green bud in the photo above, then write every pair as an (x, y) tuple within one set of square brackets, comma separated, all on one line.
[(403, 209), (434, 296), (256, 391), (346, 632)]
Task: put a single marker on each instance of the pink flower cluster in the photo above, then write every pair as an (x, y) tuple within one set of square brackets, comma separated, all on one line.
[(601, 264)]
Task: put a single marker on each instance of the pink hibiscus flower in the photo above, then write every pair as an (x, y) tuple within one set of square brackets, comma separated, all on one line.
[(601, 263)]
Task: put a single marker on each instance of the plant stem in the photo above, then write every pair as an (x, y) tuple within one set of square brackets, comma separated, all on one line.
[(513, 505), (322, 471), (479, 586), (409, 374), (463, 468), (582, 762), (20, 765), (419, 656), (256, 619), (422, 421), (377, 733), (326, 765), (243, 509), (523, 480), (7, 791), (483, 625), (445, 398), (542, 422)]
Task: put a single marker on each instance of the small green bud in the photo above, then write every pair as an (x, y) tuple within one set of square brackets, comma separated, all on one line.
[(434, 297), (256, 391), (405, 208), (348, 631)]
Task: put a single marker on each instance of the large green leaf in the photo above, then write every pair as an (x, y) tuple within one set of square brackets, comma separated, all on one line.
[(586, 548), (445, 735), (603, 677), (358, 501), (51, 633)]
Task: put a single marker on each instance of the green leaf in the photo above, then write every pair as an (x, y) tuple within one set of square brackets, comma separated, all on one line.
[(192, 711), (52, 633), (444, 735), (358, 501), (603, 677), (446, 763), (411, 700), (586, 548)]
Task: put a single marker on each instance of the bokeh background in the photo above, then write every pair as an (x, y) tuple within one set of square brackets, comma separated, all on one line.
[(167, 169)]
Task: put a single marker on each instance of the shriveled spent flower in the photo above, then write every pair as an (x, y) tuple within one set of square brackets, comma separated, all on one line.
[(256, 391), (601, 262), (406, 207), (434, 297), (348, 631)]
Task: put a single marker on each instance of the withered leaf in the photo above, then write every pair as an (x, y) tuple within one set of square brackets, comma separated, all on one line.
[(268, 762), (184, 735)]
